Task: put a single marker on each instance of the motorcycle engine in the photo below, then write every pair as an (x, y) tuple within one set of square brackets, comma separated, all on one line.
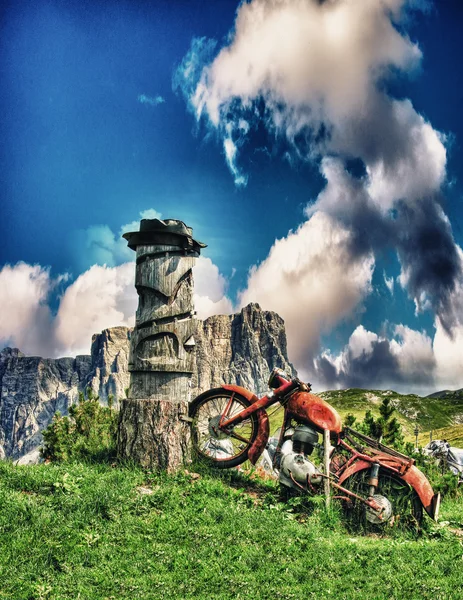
[(295, 468)]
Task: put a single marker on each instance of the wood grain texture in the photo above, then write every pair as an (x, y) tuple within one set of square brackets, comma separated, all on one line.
[(162, 359)]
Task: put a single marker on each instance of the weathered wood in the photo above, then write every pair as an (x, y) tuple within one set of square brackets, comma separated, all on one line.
[(152, 433), (162, 349)]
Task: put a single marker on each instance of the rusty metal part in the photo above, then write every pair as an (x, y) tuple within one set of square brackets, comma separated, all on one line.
[(383, 514), (413, 477), (214, 429), (374, 444), (394, 461), (226, 411), (310, 408), (421, 485), (263, 432), (296, 483), (370, 502)]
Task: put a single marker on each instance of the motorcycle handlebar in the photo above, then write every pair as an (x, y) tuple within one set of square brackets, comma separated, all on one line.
[(304, 387), (279, 378)]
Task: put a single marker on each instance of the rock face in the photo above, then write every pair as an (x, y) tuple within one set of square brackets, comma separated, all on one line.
[(241, 349), (108, 374), (32, 390)]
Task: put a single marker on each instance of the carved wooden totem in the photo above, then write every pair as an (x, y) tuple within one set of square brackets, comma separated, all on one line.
[(161, 360)]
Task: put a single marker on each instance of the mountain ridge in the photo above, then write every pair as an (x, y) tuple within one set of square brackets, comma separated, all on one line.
[(241, 348)]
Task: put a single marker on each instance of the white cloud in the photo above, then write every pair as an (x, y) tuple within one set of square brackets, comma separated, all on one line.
[(101, 297), (414, 352), (303, 55), (448, 351), (408, 361), (361, 341), (416, 167), (310, 280), (313, 73), (25, 316), (210, 290)]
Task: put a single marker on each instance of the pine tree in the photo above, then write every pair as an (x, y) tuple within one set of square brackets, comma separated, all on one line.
[(89, 432), (350, 420), (385, 428)]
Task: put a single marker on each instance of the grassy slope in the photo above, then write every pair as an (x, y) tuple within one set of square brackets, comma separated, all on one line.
[(80, 531), (427, 412)]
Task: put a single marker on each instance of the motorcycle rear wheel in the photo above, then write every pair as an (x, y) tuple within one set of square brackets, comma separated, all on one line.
[(407, 510), (222, 450)]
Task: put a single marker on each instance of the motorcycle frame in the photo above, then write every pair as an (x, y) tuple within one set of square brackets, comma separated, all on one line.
[(385, 457)]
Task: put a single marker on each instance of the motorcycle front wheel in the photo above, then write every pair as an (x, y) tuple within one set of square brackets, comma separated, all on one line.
[(402, 508), (221, 449)]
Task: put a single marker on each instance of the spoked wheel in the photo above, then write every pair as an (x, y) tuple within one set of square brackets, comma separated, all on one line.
[(219, 448), (402, 508)]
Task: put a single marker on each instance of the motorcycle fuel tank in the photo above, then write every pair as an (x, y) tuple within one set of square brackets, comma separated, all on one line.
[(316, 411)]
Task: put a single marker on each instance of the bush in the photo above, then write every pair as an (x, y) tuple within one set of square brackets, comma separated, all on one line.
[(88, 433)]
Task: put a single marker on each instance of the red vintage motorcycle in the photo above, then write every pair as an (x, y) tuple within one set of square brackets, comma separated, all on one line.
[(377, 484)]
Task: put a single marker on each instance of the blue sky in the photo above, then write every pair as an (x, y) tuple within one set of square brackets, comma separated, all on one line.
[(104, 121)]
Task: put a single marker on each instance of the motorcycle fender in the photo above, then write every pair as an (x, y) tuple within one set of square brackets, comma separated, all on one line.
[(413, 477), (263, 431)]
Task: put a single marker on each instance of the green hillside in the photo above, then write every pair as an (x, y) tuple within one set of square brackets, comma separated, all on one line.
[(429, 413), (454, 394), (453, 434)]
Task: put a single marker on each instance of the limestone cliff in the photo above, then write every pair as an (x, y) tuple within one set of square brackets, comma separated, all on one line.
[(32, 390), (110, 354), (241, 348)]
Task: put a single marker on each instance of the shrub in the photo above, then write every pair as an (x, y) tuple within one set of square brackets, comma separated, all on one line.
[(88, 433)]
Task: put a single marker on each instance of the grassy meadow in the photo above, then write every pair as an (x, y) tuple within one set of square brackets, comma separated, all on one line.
[(81, 531), (444, 416)]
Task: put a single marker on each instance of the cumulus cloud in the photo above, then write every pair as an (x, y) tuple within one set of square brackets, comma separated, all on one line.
[(310, 280), (309, 61), (315, 74), (449, 357), (210, 290), (99, 298), (25, 316), (408, 361), (404, 362)]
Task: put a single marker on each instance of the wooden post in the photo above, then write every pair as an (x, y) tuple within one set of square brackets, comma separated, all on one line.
[(326, 464), (151, 431)]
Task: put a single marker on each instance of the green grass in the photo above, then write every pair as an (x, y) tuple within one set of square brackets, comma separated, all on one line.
[(87, 531), (453, 434)]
